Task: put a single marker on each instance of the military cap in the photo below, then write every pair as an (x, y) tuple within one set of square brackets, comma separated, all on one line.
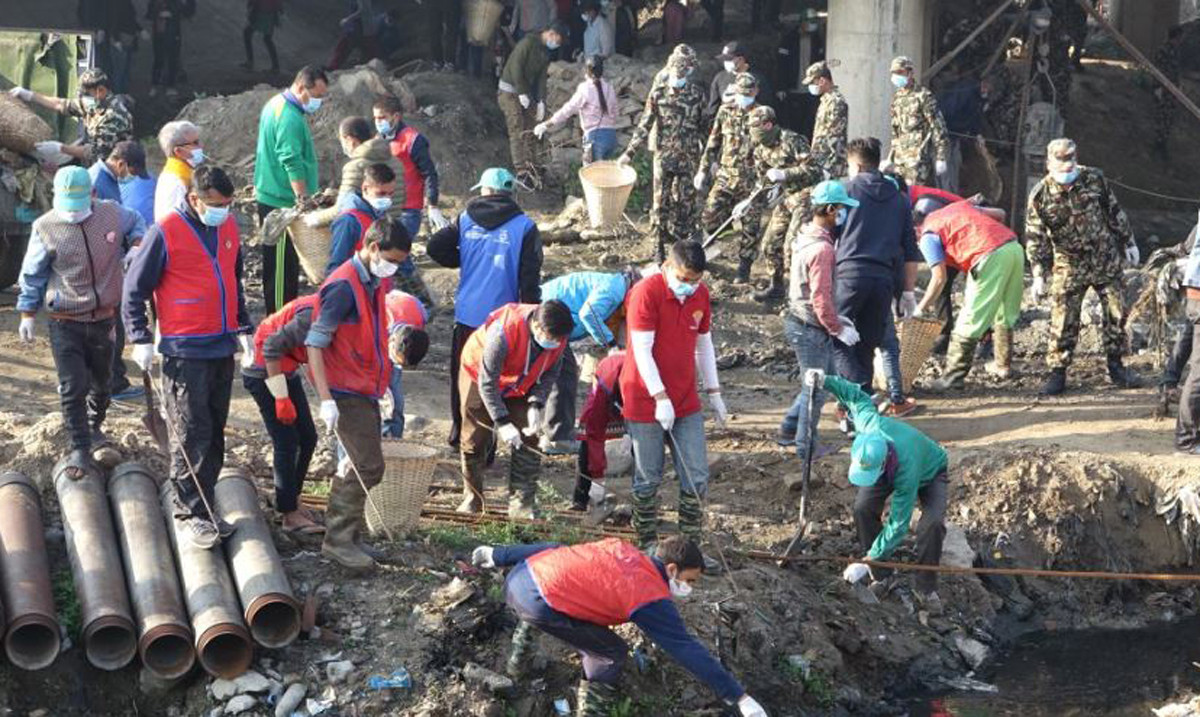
[(901, 63), (680, 64), (761, 115), (1061, 150), (684, 50), (745, 83), (93, 78), (816, 71)]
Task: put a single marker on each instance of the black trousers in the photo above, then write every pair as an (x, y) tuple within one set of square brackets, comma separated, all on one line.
[(281, 284), (560, 404), (120, 377), (167, 47), (444, 17), (865, 301), (292, 445), (716, 13), (83, 355), (1187, 425), (1181, 354), (931, 528), (196, 394), (458, 339)]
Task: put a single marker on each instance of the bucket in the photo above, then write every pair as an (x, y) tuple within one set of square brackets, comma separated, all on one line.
[(917, 335), (606, 188), (312, 247), (20, 127), (482, 18), (407, 473)]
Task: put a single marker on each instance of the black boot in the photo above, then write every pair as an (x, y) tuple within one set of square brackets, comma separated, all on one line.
[(773, 290), (1120, 376), (1055, 383), (743, 272)]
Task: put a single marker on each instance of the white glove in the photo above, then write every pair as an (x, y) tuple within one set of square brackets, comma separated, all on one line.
[(887, 165), (740, 208), (312, 220), (481, 557), (940, 167), (510, 435), (775, 175), (25, 330), (21, 94), (855, 572), (699, 180), (541, 111), (50, 152), (437, 220), (540, 130), (664, 413), (597, 493), (1132, 255), (247, 342), (524, 100), (721, 413), (533, 417), (143, 356), (329, 414), (749, 707), (908, 304), (814, 376), (1038, 289), (848, 335)]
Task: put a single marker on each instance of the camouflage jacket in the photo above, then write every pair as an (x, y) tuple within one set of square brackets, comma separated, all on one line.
[(729, 143), (918, 130), (790, 154), (1078, 228), (103, 126), (675, 117), (829, 133)]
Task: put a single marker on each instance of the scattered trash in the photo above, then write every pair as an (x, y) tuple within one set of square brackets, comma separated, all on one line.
[(562, 706), (398, 680)]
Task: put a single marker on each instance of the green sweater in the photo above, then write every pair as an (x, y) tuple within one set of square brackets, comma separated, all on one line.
[(920, 459), (526, 67), (285, 153)]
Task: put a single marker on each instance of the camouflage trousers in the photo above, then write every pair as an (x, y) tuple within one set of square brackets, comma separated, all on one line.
[(673, 213), (723, 196), (1067, 297), (786, 219), (920, 171), (520, 123)]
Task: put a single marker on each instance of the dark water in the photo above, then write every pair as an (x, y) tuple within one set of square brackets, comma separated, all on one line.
[(1104, 673)]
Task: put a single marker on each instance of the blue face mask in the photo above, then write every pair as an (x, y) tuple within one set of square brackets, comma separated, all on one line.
[(380, 204), (678, 82), (196, 157), (551, 45), (313, 104), (841, 216), (681, 289), (1066, 177), (214, 216), (383, 127), (547, 344), (899, 81), (744, 101), (89, 103)]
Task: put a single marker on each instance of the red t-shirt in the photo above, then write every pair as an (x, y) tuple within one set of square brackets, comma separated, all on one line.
[(652, 306)]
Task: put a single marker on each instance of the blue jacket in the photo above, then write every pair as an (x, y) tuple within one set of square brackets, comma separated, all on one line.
[(345, 230), (592, 297), (138, 195), (491, 258), (878, 237), (104, 184)]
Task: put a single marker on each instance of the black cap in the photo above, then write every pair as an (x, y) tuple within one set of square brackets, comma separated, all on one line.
[(730, 51), (133, 154), (560, 27)]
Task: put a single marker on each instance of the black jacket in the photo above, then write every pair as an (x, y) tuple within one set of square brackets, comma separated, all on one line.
[(878, 238)]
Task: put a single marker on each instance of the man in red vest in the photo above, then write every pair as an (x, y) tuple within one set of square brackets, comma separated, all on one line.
[(509, 365), (578, 593), (974, 240), (420, 173), (191, 265), (351, 367), (408, 344), (358, 211)]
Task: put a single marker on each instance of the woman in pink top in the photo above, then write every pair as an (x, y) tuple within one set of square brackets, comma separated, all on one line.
[(595, 101)]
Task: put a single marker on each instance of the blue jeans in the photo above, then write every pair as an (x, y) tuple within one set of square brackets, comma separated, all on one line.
[(410, 219), (393, 425), (600, 144), (814, 349), (890, 348), (649, 452)]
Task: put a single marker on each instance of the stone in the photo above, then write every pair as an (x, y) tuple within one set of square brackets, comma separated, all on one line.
[(252, 683), (956, 551), (240, 704), (492, 681), (291, 699), (152, 685), (338, 671), (223, 689), (973, 651)]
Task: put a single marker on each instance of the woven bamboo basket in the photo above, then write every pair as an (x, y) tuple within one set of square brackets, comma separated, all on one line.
[(606, 187), (312, 247), (917, 336), (20, 127), (408, 471), (482, 18)]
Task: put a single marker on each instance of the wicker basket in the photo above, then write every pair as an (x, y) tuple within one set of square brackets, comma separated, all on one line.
[(312, 246), (408, 471), (606, 187), (917, 337), (20, 127), (482, 18)]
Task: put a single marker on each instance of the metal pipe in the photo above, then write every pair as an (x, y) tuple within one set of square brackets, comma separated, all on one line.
[(33, 638), (222, 641), (272, 610), (109, 639), (164, 635)]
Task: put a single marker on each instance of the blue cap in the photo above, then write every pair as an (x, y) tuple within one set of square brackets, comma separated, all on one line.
[(831, 191), (496, 178), (868, 454), (72, 189)]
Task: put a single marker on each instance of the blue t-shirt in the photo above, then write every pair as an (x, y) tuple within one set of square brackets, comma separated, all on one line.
[(932, 248)]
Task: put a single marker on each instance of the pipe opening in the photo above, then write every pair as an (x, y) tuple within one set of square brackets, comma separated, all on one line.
[(33, 645), (110, 646), (226, 655), (275, 623), (169, 656)]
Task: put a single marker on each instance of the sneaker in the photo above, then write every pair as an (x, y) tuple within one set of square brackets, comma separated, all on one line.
[(129, 394), (204, 534), (901, 409), (784, 440)]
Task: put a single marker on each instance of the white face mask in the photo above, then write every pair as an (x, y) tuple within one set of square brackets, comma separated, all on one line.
[(74, 217), (347, 150), (383, 268), (730, 66), (679, 589), (814, 90)]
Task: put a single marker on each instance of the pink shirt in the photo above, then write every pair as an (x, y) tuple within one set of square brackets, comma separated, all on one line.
[(586, 102), (814, 255)]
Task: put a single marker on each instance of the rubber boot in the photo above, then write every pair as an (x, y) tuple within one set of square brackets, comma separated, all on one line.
[(595, 699), (1120, 376), (645, 520), (773, 290), (341, 523), (1001, 366), (523, 645), (959, 356), (524, 468), (743, 271), (473, 468), (1055, 383)]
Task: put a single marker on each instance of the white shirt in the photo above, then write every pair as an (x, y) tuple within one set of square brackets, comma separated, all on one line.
[(169, 193)]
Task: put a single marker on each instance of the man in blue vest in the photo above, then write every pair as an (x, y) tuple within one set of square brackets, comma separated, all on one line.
[(498, 252), (359, 210)]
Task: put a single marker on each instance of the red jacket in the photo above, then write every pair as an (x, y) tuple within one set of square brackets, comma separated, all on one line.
[(414, 182), (197, 294), (364, 223), (357, 360), (602, 583), (601, 417), (517, 377), (916, 192), (404, 310), (275, 322), (967, 234)]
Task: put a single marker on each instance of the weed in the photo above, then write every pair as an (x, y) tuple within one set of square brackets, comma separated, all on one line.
[(317, 487), (642, 707), (69, 614), (816, 684), (498, 532)]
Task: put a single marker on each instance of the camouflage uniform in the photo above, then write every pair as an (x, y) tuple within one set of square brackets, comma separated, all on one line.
[(106, 123), (829, 131), (729, 145), (1167, 61), (1079, 231), (919, 136), (673, 121)]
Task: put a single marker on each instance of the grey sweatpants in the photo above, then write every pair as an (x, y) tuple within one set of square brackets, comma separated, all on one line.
[(931, 528)]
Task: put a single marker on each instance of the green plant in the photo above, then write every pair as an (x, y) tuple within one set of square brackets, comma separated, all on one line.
[(317, 487), (819, 686), (69, 614)]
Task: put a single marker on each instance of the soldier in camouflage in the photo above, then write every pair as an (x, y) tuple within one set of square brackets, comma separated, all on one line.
[(730, 149), (673, 120), (1167, 62), (683, 52), (920, 143), (106, 120), (829, 131), (1076, 230), (781, 157)]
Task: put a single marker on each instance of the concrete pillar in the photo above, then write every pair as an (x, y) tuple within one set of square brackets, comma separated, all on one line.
[(864, 36), (1145, 22)]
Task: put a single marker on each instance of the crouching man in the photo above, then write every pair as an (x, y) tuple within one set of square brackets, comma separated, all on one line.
[(578, 593)]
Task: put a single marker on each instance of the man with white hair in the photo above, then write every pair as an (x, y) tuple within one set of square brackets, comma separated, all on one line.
[(180, 144)]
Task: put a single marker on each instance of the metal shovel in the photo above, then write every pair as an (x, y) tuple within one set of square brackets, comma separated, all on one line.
[(152, 419), (797, 539)]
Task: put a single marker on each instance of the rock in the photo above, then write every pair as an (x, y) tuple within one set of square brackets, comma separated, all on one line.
[(493, 682), (240, 704), (956, 551), (223, 689), (290, 700), (252, 683), (338, 671), (972, 650), (152, 685)]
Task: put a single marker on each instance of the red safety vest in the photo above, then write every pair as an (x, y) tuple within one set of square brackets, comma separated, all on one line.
[(414, 182), (517, 377), (918, 191), (967, 234), (273, 324), (356, 360), (364, 223), (197, 294), (603, 583), (405, 309)]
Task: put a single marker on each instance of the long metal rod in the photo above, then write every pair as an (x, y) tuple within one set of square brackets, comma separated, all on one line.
[(33, 637), (945, 60)]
